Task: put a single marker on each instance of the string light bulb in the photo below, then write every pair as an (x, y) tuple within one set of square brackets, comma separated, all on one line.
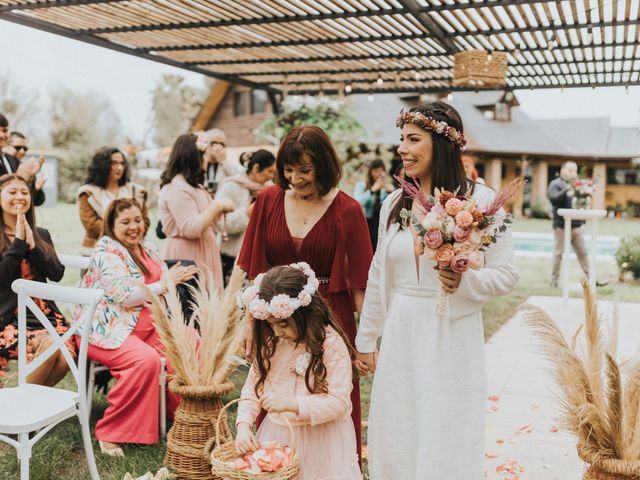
[(348, 88), (370, 98), (450, 97), (380, 81)]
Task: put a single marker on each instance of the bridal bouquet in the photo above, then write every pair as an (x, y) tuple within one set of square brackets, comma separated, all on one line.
[(454, 229)]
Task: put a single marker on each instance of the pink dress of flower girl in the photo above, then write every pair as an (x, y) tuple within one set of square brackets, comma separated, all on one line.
[(324, 436)]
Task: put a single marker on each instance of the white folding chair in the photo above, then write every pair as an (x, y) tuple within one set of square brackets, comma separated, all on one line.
[(75, 261), (35, 409)]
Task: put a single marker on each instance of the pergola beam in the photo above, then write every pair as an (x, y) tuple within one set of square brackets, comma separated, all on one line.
[(429, 25), (332, 81), (417, 69), (400, 37), (52, 4), (466, 89), (74, 35), (247, 21), (395, 56), (307, 18)]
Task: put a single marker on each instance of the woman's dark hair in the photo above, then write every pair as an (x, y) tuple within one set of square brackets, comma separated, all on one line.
[(30, 215), (315, 143), (447, 171), (185, 159), (372, 166), (114, 209), (100, 168), (262, 158), (310, 322)]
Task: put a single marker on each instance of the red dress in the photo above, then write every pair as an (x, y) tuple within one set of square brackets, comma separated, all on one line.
[(337, 248)]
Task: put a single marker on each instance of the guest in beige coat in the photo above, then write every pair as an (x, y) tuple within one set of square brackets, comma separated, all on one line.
[(188, 214), (107, 179)]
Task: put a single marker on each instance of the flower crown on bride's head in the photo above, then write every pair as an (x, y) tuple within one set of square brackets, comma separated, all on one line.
[(281, 306), (429, 123)]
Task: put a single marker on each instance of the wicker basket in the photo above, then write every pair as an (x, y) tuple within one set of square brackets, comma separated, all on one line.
[(479, 68), (224, 454), (192, 427), (608, 468)]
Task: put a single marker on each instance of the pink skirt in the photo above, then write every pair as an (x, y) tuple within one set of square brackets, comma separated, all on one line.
[(326, 452)]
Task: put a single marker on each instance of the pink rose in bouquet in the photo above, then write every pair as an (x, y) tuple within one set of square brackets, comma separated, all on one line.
[(460, 234), (464, 219), (444, 254), (460, 263), (433, 239), (452, 207)]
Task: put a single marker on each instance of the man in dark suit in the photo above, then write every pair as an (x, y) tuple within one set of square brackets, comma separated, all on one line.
[(9, 164)]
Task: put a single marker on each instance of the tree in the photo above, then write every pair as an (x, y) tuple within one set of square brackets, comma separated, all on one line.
[(175, 105), (80, 124), (20, 106)]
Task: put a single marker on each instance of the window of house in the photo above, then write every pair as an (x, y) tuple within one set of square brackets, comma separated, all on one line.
[(622, 176), (258, 101), (239, 104)]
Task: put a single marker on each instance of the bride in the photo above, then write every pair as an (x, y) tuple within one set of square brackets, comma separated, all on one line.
[(426, 419)]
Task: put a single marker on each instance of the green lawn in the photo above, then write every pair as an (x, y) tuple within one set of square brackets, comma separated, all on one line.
[(608, 226), (60, 454)]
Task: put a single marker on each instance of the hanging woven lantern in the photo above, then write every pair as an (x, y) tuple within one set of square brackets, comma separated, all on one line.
[(480, 68)]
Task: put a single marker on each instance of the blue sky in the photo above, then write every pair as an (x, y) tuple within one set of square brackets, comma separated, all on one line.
[(42, 61)]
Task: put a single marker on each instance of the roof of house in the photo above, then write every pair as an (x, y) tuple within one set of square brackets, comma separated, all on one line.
[(585, 137)]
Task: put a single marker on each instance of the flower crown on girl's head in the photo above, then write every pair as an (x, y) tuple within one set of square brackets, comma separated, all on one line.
[(281, 306), (429, 123)]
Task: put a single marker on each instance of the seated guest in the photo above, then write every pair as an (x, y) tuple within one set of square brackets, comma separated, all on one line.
[(26, 251), (107, 179), (123, 337)]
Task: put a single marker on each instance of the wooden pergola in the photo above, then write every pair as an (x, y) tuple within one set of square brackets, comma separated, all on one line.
[(358, 46)]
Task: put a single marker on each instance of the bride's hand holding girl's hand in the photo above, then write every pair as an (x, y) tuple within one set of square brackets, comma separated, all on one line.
[(274, 403), (450, 280), (246, 441), (366, 362)]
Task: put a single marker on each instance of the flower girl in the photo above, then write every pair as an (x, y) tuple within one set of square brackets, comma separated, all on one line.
[(302, 369)]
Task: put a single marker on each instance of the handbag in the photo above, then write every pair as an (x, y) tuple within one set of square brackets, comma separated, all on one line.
[(184, 293)]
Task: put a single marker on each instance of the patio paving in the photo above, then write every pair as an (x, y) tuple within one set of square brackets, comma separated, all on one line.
[(522, 421)]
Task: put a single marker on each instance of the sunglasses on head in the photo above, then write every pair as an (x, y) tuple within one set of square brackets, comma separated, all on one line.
[(20, 147), (218, 143)]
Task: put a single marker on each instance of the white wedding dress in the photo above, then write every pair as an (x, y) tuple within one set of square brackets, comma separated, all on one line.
[(426, 420)]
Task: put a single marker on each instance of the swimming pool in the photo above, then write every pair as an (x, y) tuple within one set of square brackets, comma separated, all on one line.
[(541, 244)]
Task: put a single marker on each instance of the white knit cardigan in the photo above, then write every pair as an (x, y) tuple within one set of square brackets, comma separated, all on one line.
[(498, 276)]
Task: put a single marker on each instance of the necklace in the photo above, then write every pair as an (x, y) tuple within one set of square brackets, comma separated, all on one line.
[(305, 218)]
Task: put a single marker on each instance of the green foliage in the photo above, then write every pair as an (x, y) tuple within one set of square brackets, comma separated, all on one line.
[(174, 104), (628, 256), (540, 208), (331, 114)]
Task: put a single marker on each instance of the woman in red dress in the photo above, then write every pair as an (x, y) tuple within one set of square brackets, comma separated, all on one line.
[(305, 218)]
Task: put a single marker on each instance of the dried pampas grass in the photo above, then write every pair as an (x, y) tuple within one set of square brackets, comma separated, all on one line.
[(204, 360), (600, 397)]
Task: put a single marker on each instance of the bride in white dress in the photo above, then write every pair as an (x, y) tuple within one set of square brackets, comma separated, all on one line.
[(426, 420)]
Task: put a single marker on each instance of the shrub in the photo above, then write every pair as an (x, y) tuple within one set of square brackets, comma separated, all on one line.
[(540, 208), (628, 256)]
